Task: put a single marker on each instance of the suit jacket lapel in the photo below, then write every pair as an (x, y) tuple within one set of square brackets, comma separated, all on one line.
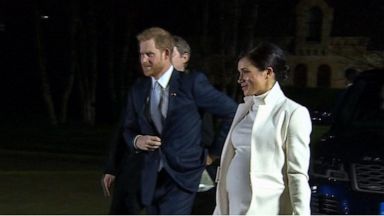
[(173, 89), (145, 94)]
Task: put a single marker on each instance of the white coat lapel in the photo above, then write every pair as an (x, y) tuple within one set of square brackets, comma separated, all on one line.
[(242, 110), (228, 152)]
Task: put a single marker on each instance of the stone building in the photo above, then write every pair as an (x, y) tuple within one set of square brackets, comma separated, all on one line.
[(320, 54)]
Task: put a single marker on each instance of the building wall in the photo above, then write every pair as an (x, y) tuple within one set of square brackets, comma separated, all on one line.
[(337, 53), (336, 63)]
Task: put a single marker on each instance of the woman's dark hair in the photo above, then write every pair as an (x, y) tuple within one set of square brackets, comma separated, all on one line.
[(267, 55)]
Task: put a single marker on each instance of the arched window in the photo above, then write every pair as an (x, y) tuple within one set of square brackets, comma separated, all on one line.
[(315, 21), (324, 76), (300, 76)]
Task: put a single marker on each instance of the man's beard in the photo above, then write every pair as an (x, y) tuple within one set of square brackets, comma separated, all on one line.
[(155, 69)]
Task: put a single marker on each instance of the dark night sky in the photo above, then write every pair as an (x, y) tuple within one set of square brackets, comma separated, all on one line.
[(20, 81)]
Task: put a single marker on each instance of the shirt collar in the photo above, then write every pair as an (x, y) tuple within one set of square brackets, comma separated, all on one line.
[(164, 79), (266, 98)]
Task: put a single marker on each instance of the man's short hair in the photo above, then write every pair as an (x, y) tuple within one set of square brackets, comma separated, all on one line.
[(162, 38), (181, 45)]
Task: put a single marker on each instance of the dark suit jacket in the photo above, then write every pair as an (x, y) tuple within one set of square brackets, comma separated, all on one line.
[(181, 150), (126, 166)]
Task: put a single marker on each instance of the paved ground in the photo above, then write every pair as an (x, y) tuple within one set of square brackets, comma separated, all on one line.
[(50, 192), (39, 182), (50, 183)]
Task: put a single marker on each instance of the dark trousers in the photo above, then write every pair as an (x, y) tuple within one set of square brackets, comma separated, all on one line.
[(169, 198), (125, 204), (205, 202), (125, 195)]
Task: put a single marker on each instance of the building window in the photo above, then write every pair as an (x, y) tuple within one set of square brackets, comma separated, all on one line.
[(315, 21), (300, 76), (324, 76)]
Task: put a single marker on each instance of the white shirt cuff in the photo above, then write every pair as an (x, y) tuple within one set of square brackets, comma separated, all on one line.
[(135, 140)]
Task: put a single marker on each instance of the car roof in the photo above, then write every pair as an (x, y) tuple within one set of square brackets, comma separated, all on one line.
[(373, 74)]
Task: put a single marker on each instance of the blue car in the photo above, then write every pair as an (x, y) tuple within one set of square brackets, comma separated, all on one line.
[(347, 165)]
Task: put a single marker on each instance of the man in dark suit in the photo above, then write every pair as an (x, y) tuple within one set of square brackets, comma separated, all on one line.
[(205, 198), (162, 123), (122, 170)]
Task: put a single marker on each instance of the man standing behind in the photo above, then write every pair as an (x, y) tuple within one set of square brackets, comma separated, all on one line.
[(180, 59), (162, 122), (122, 170), (181, 53), (204, 202)]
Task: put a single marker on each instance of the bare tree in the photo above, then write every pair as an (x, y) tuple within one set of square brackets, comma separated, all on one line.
[(73, 61), (247, 40), (110, 58), (42, 65), (204, 35), (229, 37), (360, 57), (124, 74), (87, 76)]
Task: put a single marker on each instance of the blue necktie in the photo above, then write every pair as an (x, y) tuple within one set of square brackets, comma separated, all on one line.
[(156, 106), (158, 111)]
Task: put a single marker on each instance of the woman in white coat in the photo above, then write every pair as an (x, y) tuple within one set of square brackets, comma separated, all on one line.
[(265, 158)]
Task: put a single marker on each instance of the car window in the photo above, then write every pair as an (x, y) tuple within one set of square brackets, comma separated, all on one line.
[(363, 105), (369, 110)]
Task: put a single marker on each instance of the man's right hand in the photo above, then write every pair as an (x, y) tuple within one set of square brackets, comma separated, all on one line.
[(148, 143), (107, 182)]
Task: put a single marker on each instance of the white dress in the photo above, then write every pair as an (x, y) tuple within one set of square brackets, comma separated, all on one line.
[(238, 178)]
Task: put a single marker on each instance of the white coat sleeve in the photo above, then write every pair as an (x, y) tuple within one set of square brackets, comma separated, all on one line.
[(298, 156)]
